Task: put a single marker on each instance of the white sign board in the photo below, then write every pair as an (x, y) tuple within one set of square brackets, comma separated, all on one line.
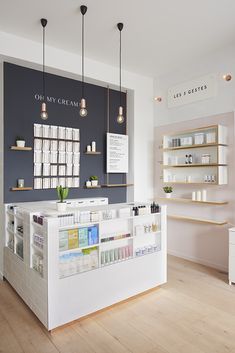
[(192, 91), (117, 153)]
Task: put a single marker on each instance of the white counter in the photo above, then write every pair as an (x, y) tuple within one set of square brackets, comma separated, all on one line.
[(64, 269)]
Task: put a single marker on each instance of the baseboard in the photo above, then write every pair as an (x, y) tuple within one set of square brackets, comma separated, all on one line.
[(198, 260), (1, 276)]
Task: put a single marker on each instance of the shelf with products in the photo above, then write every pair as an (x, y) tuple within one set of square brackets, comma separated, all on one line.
[(182, 151), (92, 153)]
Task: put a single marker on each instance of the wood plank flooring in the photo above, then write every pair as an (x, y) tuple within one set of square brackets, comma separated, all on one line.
[(193, 313)]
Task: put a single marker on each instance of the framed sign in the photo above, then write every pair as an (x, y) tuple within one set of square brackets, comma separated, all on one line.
[(192, 91), (117, 153)]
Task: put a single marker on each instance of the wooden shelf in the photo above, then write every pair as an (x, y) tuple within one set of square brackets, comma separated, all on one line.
[(197, 220), (174, 199), (15, 148), (193, 165), (92, 153), (192, 183), (92, 187), (188, 147), (116, 185), (22, 189)]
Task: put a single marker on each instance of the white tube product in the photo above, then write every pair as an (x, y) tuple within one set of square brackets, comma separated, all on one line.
[(199, 195), (204, 195), (194, 196)]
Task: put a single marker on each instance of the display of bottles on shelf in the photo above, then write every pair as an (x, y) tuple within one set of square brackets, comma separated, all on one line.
[(20, 249), (20, 230), (37, 263), (147, 250), (78, 261), (116, 255), (192, 138), (38, 240), (115, 237), (142, 229)]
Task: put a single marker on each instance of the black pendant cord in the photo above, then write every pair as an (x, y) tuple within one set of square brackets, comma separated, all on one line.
[(120, 67), (83, 35), (43, 66)]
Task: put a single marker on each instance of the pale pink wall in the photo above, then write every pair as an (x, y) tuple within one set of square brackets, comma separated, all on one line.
[(207, 244)]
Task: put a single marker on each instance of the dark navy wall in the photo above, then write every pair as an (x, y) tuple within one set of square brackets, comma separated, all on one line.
[(22, 110)]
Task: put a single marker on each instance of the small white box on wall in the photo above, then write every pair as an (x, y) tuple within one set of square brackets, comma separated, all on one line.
[(69, 169), (76, 168), (53, 170), (62, 182), (46, 183), (37, 169), (62, 157), (61, 132), (46, 145), (54, 183), (37, 130), (38, 183), (46, 130), (69, 133), (54, 145), (37, 157), (54, 132), (37, 144), (62, 146), (76, 134), (76, 158), (69, 182), (76, 182), (46, 157), (54, 156), (69, 157), (76, 147), (46, 169)]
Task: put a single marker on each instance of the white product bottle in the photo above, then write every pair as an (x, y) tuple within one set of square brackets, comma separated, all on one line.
[(199, 195), (93, 146), (204, 195), (194, 196)]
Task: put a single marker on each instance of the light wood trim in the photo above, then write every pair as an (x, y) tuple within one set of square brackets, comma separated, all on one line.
[(183, 132), (15, 148), (175, 199), (193, 165), (22, 189), (90, 153), (184, 182), (197, 220), (192, 146), (92, 187), (116, 185)]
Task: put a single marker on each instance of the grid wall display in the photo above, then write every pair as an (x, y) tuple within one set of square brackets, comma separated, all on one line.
[(56, 156)]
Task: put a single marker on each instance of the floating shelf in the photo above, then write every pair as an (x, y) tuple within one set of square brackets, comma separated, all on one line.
[(92, 153), (185, 182), (172, 199), (92, 187), (116, 185), (193, 165), (197, 220), (15, 148), (22, 189), (193, 146)]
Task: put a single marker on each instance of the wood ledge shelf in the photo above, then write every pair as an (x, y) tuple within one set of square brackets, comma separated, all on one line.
[(197, 220), (172, 199), (193, 146), (92, 153), (193, 165), (22, 189), (92, 187), (16, 148), (116, 185)]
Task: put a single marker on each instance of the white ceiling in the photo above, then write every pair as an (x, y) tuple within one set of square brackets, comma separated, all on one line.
[(159, 36)]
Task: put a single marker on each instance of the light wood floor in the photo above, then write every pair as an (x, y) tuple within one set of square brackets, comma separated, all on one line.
[(193, 313)]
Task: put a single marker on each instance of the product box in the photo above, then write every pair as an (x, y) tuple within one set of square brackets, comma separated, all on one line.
[(83, 236), (72, 238), (63, 240), (93, 237)]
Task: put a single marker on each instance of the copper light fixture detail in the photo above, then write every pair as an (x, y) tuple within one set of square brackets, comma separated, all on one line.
[(227, 77), (83, 110), (44, 114), (120, 117), (158, 99)]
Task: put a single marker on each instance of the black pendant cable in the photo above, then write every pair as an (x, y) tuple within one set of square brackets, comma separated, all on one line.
[(83, 110), (120, 117), (44, 114)]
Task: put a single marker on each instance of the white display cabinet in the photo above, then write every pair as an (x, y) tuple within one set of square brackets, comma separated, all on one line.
[(86, 259), (196, 156)]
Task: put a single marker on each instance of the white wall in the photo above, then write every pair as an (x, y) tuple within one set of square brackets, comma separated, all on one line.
[(219, 63), (140, 104), (200, 243)]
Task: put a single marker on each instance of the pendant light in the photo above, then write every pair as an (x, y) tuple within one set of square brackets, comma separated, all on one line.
[(83, 110), (44, 114), (120, 117)]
